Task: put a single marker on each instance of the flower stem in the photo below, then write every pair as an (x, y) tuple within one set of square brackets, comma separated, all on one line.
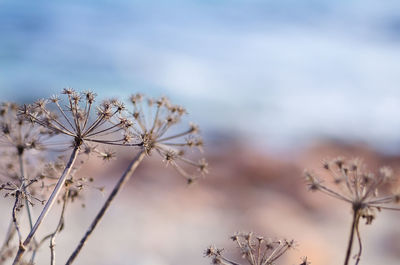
[(353, 228), (124, 178), (48, 205)]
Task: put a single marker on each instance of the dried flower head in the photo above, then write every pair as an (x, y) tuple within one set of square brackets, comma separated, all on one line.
[(18, 166), (35, 183), (358, 187), (11, 189), (76, 118), (18, 133), (155, 121), (106, 154), (151, 128), (255, 250)]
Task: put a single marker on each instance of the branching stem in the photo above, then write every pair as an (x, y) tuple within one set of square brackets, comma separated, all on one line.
[(48, 205)]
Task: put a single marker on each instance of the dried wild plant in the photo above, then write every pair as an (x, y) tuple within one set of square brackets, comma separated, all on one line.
[(45, 179), (73, 119), (18, 139), (255, 250), (358, 187), (153, 120), (152, 126)]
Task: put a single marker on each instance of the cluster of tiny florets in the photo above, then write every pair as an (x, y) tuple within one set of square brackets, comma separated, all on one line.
[(255, 250), (79, 118), (356, 186), (156, 120), (19, 134)]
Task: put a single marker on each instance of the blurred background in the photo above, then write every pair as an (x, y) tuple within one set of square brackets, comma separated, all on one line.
[(276, 86)]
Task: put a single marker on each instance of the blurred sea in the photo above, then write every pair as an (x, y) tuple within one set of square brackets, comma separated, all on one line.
[(275, 73)]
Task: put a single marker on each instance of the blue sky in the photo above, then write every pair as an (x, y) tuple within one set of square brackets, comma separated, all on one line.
[(283, 71)]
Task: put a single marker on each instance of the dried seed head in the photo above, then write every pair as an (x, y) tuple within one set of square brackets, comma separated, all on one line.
[(76, 118), (18, 133), (212, 251), (154, 122), (339, 162), (356, 186), (312, 181), (90, 96), (325, 165), (255, 250), (107, 154), (136, 98), (68, 91)]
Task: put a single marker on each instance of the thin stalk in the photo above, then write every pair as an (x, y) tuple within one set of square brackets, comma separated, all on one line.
[(272, 255), (94, 125), (359, 241), (155, 119), (353, 228), (65, 116), (175, 136), (251, 253), (281, 251), (48, 205), (121, 182), (14, 216), (12, 228), (58, 229), (104, 130), (241, 247), (229, 262), (259, 252), (87, 116)]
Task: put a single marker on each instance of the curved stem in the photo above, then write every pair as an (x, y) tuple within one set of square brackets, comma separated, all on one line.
[(124, 178), (353, 228), (49, 204)]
